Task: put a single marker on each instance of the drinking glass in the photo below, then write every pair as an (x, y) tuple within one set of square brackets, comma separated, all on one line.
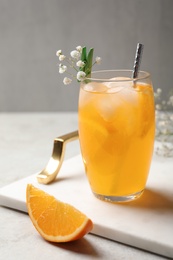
[(116, 132)]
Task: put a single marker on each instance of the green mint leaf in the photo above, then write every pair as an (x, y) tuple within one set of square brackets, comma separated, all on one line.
[(88, 67), (84, 54), (88, 59)]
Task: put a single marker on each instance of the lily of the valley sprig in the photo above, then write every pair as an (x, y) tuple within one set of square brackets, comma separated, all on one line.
[(80, 61)]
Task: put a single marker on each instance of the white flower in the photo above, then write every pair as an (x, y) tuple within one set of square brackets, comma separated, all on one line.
[(156, 95), (62, 68), (158, 107), (75, 54), (79, 48), (58, 53), (67, 81), (98, 60), (159, 90), (62, 57), (80, 64), (81, 75)]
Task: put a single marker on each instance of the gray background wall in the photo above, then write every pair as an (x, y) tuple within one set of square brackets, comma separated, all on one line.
[(32, 30)]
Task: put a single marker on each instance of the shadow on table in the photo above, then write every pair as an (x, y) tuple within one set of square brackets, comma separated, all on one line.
[(81, 246), (152, 199)]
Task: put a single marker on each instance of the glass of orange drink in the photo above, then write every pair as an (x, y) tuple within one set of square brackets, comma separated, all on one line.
[(116, 131)]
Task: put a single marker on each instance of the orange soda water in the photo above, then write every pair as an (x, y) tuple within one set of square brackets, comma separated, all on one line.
[(116, 131)]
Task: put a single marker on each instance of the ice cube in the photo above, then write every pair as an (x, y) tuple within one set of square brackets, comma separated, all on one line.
[(107, 105), (118, 84), (119, 106), (130, 96), (95, 87), (89, 92)]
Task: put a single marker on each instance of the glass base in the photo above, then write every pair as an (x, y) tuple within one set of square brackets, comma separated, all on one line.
[(119, 199)]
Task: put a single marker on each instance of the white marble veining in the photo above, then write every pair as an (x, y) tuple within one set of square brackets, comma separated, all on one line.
[(25, 147)]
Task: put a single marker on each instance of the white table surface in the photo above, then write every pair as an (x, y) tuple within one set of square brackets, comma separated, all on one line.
[(26, 142)]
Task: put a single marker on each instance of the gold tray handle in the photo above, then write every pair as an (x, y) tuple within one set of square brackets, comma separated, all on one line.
[(48, 174)]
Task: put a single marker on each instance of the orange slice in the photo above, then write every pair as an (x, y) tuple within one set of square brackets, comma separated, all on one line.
[(54, 220)]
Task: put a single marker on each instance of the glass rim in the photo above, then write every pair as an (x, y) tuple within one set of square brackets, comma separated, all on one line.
[(145, 76)]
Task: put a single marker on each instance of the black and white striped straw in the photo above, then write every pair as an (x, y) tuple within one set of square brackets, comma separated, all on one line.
[(137, 62)]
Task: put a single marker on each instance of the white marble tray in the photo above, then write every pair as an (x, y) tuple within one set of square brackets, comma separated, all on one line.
[(146, 223)]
